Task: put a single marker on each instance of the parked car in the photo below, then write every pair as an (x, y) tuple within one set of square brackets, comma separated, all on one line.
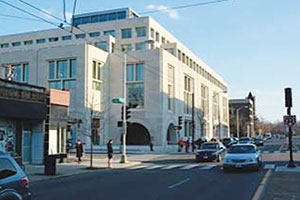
[(211, 151), (14, 184), (241, 156), (258, 142), (245, 140), (228, 142)]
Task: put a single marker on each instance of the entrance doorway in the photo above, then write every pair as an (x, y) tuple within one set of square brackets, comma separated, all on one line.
[(137, 134)]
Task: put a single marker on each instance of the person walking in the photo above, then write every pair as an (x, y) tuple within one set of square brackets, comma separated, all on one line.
[(79, 150), (187, 145), (151, 143), (110, 152)]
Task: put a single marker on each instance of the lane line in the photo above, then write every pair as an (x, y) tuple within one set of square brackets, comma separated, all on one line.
[(138, 167), (209, 166), (171, 167), (179, 183), (259, 191), (154, 167), (189, 166)]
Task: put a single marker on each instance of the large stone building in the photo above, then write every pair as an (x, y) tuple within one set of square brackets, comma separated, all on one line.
[(242, 116), (162, 77)]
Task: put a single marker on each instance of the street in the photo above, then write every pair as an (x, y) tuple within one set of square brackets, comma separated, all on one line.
[(155, 183), (175, 176)]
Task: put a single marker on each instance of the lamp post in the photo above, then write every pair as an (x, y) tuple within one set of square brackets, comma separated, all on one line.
[(124, 156), (237, 120)]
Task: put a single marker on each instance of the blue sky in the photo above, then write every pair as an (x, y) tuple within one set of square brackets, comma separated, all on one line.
[(253, 44)]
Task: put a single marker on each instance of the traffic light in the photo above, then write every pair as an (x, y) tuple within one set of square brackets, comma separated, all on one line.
[(179, 122), (288, 97), (127, 112)]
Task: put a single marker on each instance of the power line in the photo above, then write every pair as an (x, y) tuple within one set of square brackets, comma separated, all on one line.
[(181, 7), (22, 10), (40, 10), (24, 18)]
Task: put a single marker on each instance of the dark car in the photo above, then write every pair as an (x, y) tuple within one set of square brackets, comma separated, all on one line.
[(210, 151), (14, 184), (245, 140), (258, 142), (228, 142)]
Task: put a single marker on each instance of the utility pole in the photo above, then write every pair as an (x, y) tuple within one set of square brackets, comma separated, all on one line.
[(193, 121), (290, 121), (124, 156)]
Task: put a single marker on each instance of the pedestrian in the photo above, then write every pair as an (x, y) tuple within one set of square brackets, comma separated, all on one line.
[(180, 144), (187, 145), (110, 152), (79, 150), (151, 143)]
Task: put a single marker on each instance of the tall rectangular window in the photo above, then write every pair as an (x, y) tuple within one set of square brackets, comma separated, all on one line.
[(157, 37), (94, 69), (152, 33), (171, 83), (73, 68), (140, 31), (135, 85), (25, 74), (62, 74), (62, 69), (126, 33), (204, 100), (188, 91), (130, 72), (52, 70)]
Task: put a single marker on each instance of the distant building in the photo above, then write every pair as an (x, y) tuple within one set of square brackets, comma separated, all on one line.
[(162, 76), (242, 115), (33, 121)]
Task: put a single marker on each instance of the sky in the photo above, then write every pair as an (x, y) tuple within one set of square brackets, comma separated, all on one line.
[(253, 44)]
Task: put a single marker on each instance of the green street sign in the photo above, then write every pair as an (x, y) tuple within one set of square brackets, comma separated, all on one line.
[(118, 100)]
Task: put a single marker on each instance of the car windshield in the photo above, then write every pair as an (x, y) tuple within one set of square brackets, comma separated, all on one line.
[(6, 168), (244, 139), (242, 149), (209, 146)]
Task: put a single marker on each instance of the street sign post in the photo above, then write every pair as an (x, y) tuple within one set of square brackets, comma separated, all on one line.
[(118, 100)]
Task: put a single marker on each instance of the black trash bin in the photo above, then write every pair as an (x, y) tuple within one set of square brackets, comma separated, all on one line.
[(50, 165)]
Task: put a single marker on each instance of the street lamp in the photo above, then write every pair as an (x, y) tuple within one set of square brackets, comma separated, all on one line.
[(237, 120)]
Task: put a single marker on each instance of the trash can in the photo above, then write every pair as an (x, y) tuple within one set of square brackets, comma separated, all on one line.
[(50, 165)]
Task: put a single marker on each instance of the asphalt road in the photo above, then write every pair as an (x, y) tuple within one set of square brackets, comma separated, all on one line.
[(155, 184)]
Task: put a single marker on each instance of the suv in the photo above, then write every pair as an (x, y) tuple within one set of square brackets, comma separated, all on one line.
[(14, 184)]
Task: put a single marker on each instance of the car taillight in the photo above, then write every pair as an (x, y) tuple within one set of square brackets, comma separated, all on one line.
[(25, 182)]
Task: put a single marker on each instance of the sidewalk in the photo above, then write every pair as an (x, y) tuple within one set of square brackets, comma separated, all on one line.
[(71, 167), (283, 186)]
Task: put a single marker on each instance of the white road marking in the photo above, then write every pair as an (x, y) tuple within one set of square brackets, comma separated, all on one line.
[(179, 183), (138, 167), (171, 167), (269, 166), (189, 166), (154, 167), (209, 166)]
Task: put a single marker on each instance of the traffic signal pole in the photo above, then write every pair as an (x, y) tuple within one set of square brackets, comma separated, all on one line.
[(288, 104), (124, 156)]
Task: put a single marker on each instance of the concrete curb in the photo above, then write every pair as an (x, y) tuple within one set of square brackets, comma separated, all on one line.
[(260, 191)]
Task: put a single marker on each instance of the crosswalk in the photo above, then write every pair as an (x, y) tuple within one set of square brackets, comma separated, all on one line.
[(185, 167), (175, 167)]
